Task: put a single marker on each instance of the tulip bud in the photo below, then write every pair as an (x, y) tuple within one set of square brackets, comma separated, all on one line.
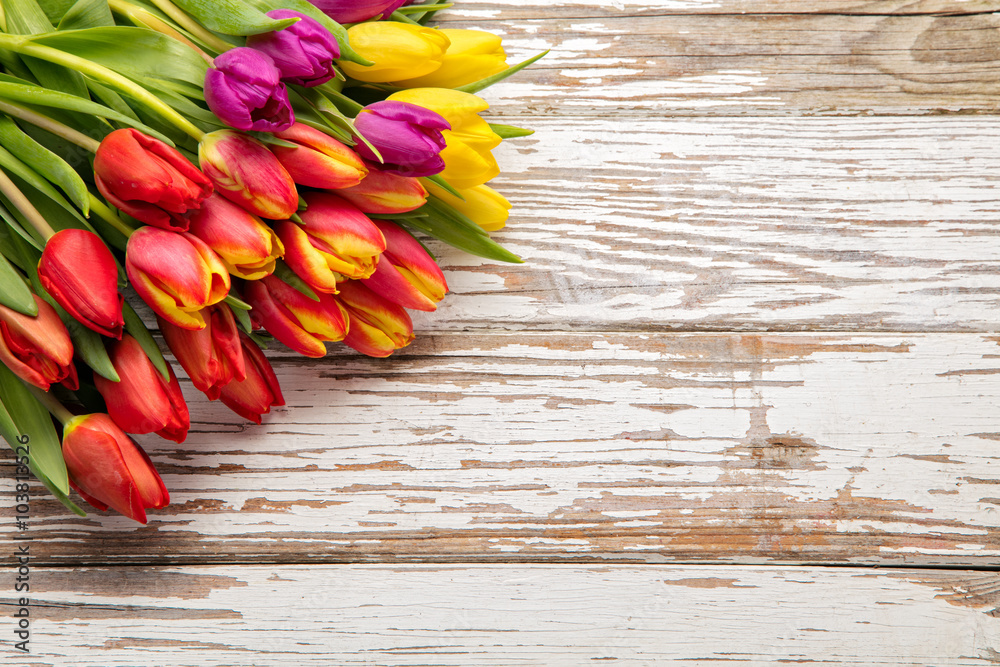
[(382, 192), (176, 274), (376, 327), (143, 402), (252, 397), (303, 52), (246, 173), (406, 274), (397, 51), (482, 204), (213, 356), (109, 469), (243, 88), (356, 11), (37, 349), (408, 137), (148, 179), (467, 157), (80, 273), (247, 247), (293, 318), (472, 55), (318, 160), (334, 241)]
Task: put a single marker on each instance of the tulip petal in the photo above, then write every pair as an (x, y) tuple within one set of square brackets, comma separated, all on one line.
[(254, 396), (90, 296)]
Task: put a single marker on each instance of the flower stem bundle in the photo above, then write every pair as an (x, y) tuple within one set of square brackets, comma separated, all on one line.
[(252, 170)]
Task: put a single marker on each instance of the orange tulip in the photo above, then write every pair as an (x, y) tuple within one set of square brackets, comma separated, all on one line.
[(109, 469), (176, 274), (37, 349), (377, 327)]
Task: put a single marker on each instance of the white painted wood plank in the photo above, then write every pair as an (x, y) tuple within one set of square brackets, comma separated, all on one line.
[(743, 58), (790, 224), (877, 449), (511, 615)]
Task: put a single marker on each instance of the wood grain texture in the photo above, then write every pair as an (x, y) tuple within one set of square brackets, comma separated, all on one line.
[(877, 449), (657, 58), (747, 224), (512, 615)]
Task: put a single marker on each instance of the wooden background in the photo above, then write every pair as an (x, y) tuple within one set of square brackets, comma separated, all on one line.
[(740, 406)]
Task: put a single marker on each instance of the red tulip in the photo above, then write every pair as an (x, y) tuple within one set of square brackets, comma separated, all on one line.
[(246, 173), (178, 275), (37, 349), (212, 357), (143, 402), (406, 274), (318, 160), (247, 247), (293, 318), (383, 192), (334, 241), (376, 327), (254, 396), (79, 271), (148, 179), (109, 469)]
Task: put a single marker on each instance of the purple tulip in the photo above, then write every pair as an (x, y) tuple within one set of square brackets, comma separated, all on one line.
[(244, 90), (303, 52), (354, 11), (407, 136)]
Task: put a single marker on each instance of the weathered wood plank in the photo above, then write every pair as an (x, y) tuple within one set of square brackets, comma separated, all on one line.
[(715, 224), (876, 449), (638, 9), (506, 615), (637, 59)]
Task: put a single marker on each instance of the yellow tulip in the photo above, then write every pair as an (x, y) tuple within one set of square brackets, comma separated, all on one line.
[(483, 205), (397, 51), (472, 55), (467, 157)]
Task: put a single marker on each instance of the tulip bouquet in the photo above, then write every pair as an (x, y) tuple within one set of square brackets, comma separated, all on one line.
[(252, 170)]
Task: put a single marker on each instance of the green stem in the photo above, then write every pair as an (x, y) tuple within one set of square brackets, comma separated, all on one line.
[(192, 26), (57, 409), (340, 97), (50, 125), (17, 198), (105, 213), (124, 85)]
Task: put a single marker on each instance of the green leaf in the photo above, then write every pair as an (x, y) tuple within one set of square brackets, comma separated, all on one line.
[(445, 223), (88, 345), (476, 86), (111, 99), (10, 432), (232, 17), (32, 420), (14, 293), (25, 17), (35, 95), (243, 319), (445, 185), (310, 10), (45, 162), (237, 303), (13, 221), (137, 53), (135, 327), (55, 9), (284, 273), (15, 167), (87, 14), (510, 131)]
